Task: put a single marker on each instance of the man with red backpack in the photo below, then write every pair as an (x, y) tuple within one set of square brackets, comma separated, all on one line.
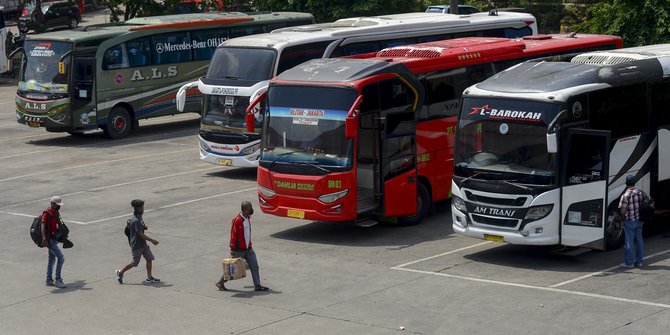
[(50, 220)]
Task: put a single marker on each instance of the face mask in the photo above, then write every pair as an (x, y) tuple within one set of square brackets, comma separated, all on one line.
[(57, 207)]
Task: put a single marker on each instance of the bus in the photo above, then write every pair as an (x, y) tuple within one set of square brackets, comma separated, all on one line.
[(110, 76), (365, 140), (4, 43), (241, 68), (543, 149)]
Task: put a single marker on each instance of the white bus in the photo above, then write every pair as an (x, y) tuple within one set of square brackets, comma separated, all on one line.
[(543, 149), (3, 43), (242, 67)]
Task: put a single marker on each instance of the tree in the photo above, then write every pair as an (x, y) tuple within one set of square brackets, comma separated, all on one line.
[(129, 9), (638, 22), (331, 10)]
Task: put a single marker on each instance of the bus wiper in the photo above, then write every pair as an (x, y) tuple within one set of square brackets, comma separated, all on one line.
[(231, 77), (468, 178), (279, 156), (314, 164), (508, 182)]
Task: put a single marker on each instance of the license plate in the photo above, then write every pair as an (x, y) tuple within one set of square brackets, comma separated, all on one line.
[(34, 124), (292, 213), (230, 101), (224, 162), (494, 238)]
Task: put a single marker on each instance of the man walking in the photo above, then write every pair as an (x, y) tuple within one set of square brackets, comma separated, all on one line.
[(629, 209), (50, 220), (138, 244), (240, 245)]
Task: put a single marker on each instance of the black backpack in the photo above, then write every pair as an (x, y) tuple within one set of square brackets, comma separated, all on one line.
[(647, 209), (127, 230), (36, 230)]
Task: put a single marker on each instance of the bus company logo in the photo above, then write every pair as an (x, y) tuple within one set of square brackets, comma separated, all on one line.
[(119, 78), (42, 50), (225, 147), (156, 73), (292, 185), (35, 106), (185, 46), (494, 211), (225, 90), (505, 114)]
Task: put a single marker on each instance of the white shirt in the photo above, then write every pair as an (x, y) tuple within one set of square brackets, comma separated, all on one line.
[(247, 231)]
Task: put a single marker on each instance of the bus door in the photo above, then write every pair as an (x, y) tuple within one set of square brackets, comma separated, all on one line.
[(584, 176), (398, 101), (82, 92)]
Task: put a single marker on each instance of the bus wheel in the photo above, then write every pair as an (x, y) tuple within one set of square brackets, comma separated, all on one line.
[(118, 124), (73, 23), (422, 207), (614, 235)]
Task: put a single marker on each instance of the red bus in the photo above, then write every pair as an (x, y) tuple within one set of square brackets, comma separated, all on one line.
[(364, 139)]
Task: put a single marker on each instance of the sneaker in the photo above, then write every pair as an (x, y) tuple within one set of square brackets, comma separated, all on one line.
[(59, 283), (119, 276), (639, 265), (624, 265), (50, 283), (151, 280)]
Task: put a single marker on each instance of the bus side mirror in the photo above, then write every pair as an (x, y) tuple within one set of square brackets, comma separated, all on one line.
[(552, 143), (351, 126), (180, 99), (249, 117)]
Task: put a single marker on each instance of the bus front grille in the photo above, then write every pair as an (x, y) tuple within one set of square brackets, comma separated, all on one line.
[(507, 223)]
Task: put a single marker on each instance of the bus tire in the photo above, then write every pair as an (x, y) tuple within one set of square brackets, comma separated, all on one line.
[(614, 234), (423, 205), (118, 124)]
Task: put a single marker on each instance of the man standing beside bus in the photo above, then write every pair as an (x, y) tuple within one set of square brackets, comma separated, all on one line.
[(629, 209)]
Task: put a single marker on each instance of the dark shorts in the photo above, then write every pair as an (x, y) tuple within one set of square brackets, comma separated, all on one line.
[(138, 253)]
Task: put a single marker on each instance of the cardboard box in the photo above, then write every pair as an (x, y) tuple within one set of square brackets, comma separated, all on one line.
[(233, 268)]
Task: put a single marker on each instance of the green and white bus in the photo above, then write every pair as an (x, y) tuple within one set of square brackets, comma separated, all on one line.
[(110, 76)]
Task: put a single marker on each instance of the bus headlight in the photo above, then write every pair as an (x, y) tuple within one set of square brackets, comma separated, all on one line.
[(250, 150), (204, 146), (266, 192), (458, 203), (332, 197), (538, 212)]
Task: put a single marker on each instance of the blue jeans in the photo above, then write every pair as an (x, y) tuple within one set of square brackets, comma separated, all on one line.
[(633, 231), (54, 252), (250, 257)]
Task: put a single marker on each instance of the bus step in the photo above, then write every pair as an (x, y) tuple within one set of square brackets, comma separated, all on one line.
[(365, 223)]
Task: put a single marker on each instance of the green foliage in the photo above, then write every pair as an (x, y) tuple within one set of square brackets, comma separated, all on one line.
[(330, 10), (638, 22)]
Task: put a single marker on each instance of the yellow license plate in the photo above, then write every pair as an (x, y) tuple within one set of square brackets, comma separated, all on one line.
[(224, 162), (34, 124), (292, 213), (494, 238)]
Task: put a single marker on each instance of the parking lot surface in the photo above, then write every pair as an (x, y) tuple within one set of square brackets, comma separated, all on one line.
[(325, 278)]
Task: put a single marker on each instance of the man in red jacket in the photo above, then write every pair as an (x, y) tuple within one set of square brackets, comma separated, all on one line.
[(240, 245)]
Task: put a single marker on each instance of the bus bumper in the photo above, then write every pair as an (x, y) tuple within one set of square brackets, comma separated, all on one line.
[(528, 236), (306, 209), (239, 159)]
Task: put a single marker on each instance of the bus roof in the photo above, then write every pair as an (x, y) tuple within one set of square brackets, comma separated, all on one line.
[(559, 81), (109, 30), (360, 26), (431, 56), (466, 50)]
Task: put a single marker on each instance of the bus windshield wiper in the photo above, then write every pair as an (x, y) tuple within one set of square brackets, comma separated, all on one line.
[(469, 178), (279, 156), (314, 164), (508, 182), (231, 77)]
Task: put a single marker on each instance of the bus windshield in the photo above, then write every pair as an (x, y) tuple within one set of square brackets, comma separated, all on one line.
[(241, 64), (40, 72), (505, 140), (298, 132)]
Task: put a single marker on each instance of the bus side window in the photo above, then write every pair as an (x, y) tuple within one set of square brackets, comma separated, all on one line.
[(138, 52), (623, 110), (660, 102), (356, 49), (170, 48), (247, 30), (299, 54), (205, 42), (115, 57)]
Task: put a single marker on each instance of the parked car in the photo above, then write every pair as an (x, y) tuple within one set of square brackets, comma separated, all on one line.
[(54, 14), (462, 9)]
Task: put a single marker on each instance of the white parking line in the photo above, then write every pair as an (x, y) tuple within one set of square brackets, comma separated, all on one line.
[(96, 163), (603, 271), (146, 211), (443, 254), (540, 288), (22, 137), (116, 185)]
